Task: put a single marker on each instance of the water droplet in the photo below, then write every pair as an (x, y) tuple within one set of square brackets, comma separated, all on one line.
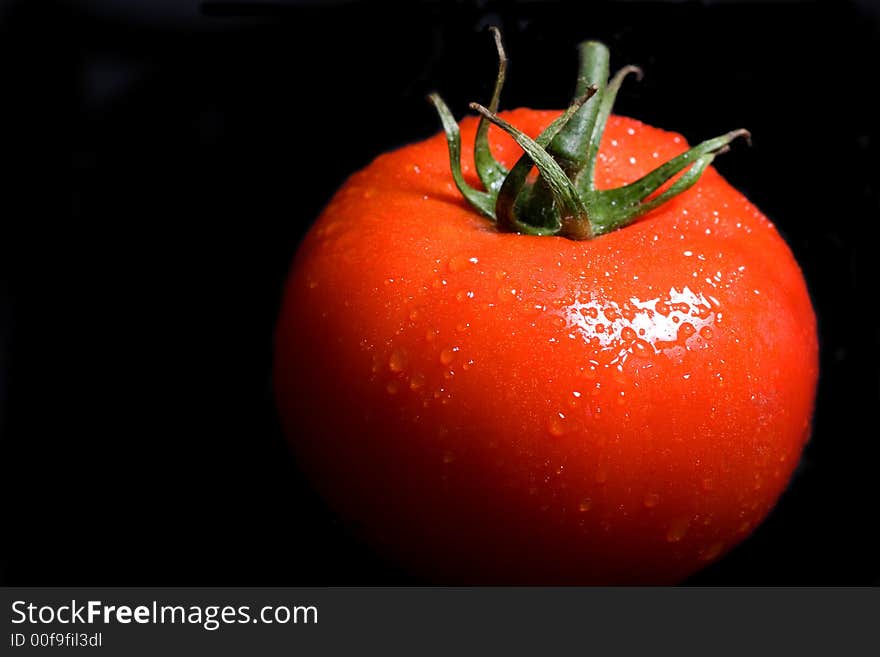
[(585, 505), (431, 335), (460, 263), (706, 333), (651, 500), (417, 381), (556, 424), (393, 387), (416, 168), (642, 348), (468, 364), (447, 354), (461, 327), (632, 160), (397, 361), (685, 331), (414, 315), (678, 529)]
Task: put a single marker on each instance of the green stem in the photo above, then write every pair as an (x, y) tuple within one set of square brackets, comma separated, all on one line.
[(505, 206), (564, 193), (490, 171), (584, 178), (615, 208), (482, 201), (564, 200), (569, 147)]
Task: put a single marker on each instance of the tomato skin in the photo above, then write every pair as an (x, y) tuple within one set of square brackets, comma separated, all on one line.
[(498, 408)]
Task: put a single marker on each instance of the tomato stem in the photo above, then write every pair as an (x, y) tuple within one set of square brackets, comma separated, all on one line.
[(570, 146), (585, 175), (564, 200), (491, 172), (505, 207), (561, 188), (482, 201)]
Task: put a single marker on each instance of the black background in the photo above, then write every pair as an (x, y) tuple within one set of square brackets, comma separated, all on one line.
[(162, 159)]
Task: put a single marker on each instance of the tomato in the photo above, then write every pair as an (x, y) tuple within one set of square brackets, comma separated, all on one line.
[(492, 407)]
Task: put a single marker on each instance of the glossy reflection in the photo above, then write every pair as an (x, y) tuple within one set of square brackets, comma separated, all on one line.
[(642, 327)]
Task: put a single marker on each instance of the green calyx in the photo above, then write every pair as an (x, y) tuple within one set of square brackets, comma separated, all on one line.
[(564, 200)]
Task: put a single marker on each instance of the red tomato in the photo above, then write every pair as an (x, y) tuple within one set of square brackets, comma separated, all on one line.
[(490, 407)]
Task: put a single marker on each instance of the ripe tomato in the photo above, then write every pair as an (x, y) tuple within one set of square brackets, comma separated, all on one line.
[(491, 407)]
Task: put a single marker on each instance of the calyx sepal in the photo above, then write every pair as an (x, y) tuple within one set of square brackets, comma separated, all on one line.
[(564, 200)]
